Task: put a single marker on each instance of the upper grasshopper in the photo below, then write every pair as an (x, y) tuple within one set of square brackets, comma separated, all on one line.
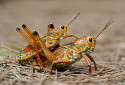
[(51, 40)]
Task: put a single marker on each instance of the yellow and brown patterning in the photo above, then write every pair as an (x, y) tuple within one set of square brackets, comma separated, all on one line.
[(51, 39), (74, 51)]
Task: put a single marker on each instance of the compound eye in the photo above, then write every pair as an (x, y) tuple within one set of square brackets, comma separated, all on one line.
[(62, 27), (90, 39)]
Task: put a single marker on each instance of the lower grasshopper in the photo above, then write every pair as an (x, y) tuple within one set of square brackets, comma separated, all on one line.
[(70, 53), (51, 40)]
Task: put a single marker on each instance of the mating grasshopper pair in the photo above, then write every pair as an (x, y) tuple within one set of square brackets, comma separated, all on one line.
[(51, 40), (62, 56)]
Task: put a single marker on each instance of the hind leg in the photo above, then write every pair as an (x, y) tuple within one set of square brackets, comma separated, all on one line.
[(38, 54)]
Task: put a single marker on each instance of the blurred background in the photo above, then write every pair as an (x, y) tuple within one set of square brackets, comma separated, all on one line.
[(109, 52), (37, 14)]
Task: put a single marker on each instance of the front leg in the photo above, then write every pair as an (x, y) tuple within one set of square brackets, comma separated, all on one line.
[(70, 36), (92, 61), (89, 64)]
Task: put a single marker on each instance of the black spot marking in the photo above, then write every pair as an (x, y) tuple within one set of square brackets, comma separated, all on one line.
[(72, 45), (17, 29), (35, 33), (51, 25), (23, 26)]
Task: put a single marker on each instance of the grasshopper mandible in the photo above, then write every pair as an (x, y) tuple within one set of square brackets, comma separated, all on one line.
[(70, 53), (51, 40)]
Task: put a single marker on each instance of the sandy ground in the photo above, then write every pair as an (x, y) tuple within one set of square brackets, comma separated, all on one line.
[(109, 53)]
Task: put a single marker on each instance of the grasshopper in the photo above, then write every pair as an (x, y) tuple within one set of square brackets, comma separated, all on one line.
[(70, 53), (51, 40)]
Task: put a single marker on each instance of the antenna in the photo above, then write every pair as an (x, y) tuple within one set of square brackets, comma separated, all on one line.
[(10, 48), (73, 18), (109, 23)]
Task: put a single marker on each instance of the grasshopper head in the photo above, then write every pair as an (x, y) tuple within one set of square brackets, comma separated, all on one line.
[(63, 30), (90, 42)]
